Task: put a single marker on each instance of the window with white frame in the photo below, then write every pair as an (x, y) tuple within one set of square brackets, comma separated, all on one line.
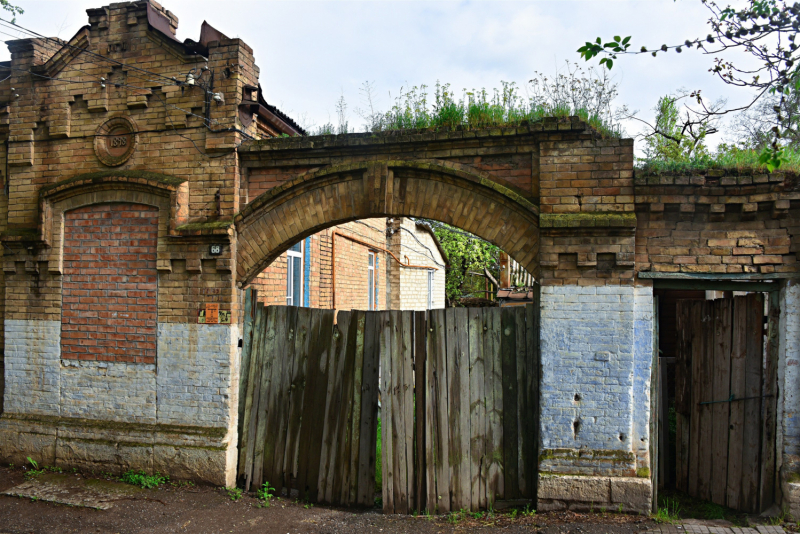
[(371, 281), (430, 290), (294, 275)]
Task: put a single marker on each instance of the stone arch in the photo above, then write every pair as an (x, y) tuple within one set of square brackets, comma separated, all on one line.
[(444, 191)]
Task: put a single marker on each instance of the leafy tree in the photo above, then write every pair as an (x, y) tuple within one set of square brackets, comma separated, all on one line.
[(674, 140), (11, 8), (765, 30), (467, 254)]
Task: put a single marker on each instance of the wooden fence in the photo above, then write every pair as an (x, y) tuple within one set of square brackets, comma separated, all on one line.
[(459, 405)]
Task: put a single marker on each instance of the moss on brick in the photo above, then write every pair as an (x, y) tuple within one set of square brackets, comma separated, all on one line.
[(100, 176), (199, 226), (643, 472)]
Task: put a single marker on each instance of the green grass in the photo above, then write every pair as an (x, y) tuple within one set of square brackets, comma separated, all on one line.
[(674, 505), (143, 480), (741, 160), (668, 511), (378, 461)]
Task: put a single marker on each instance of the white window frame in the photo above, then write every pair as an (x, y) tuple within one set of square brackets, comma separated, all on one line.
[(290, 297), (371, 303)]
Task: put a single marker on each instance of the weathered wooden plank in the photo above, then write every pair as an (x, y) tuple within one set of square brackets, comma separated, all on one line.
[(477, 409), (244, 362), (369, 410), (341, 489), (281, 401), (251, 402), (330, 445), (407, 391), (270, 379), (508, 350), (314, 404), (454, 399), (431, 426), (683, 377), (751, 450), (736, 419), (296, 393), (494, 406), (720, 412), (695, 327), (462, 363), (769, 411), (387, 439), (355, 436), (522, 413), (532, 365), (706, 328), (420, 403), (440, 392), (398, 416)]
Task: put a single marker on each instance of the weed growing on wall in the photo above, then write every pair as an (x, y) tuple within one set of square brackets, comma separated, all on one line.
[(143, 480)]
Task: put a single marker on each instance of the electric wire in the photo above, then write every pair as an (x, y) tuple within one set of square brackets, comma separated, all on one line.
[(432, 258)]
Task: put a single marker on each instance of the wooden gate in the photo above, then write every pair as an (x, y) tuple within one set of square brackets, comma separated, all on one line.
[(459, 405), (725, 401)]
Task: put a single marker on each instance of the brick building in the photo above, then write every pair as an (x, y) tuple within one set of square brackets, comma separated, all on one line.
[(379, 264), (148, 182)]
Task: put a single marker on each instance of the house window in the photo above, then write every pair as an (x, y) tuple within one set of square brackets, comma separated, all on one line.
[(430, 290), (294, 275), (371, 281)]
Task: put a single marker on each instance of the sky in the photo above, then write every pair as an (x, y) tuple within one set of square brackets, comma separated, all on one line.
[(311, 53)]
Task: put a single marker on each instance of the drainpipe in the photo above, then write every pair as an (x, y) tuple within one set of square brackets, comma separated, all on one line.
[(368, 245)]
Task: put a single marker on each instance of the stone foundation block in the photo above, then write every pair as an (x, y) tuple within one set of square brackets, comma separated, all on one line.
[(584, 493)]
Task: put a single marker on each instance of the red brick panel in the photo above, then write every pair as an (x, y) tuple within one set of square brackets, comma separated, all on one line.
[(109, 293)]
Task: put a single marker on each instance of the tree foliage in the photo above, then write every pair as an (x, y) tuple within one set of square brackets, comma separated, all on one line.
[(763, 29), (673, 139), (467, 254)]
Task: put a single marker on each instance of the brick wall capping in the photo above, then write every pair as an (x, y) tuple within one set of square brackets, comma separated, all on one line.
[(434, 166), (71, 49), (594, 219), (155, 180), (549, 124), (21, 235), (656, 275), (716, 177), (209, 228)]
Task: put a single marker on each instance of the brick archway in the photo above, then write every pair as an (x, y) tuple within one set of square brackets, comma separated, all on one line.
[(444, 191)]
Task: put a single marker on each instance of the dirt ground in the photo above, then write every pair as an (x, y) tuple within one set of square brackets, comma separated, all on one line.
[(205, 509)]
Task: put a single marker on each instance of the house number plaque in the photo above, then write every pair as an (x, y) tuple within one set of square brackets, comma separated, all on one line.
[(115, 141)]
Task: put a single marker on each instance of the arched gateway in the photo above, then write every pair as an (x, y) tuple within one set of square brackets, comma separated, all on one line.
[(126, 220)]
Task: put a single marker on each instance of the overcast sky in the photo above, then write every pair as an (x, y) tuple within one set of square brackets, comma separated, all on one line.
[(310, 53)]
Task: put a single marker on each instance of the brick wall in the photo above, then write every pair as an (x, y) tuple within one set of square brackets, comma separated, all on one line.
[(109, 283)]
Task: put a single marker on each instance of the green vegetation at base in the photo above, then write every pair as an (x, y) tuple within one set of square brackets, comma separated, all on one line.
[(143, 480), (378, 460)]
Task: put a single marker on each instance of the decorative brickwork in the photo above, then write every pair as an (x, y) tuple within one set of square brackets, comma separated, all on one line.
[(109, 283)]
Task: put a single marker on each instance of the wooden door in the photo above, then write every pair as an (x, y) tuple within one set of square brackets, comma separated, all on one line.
[(725, 399)]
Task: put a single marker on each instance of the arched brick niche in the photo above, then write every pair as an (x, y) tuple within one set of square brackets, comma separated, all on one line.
[(109, 284)]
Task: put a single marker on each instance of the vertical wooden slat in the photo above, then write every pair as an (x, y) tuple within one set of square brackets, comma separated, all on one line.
[(683, 379), (770, 398), (274, 461), (244, 362), (462, 363), (751, 450), (720, 411), (344, 428), (706, 329), (508, 339), (453, 421), (494, 416), (331, 432), (420, 363), (369, 410), (533, 375), (387, 440), (441, 394), (521, 416), (432, 453), (477, 406), (695, 327), (314, 403), (398, 416), (408, 404), (355, 439), (251, 401), (295, 395), (736, 420)]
